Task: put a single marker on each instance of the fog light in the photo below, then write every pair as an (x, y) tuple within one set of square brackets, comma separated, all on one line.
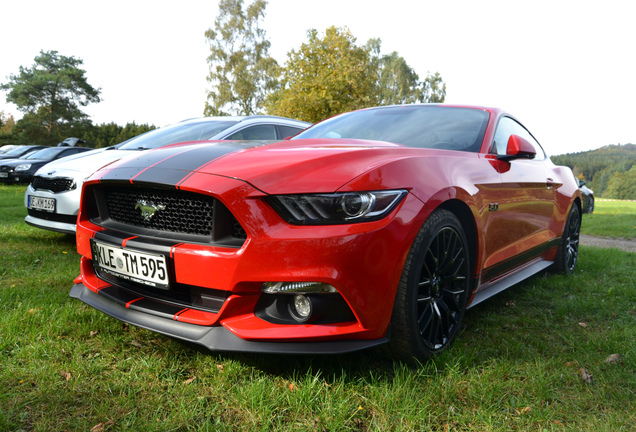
[(301, 308)]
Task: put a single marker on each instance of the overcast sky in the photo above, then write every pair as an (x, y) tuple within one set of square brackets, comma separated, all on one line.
[(566, 69)]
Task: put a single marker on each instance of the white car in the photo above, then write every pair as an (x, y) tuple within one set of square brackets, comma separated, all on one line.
[(53, 198)]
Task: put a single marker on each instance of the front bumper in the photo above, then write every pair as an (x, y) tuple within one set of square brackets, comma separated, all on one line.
[(63, 219), (216, 338), (12, 177), (363, 262), (61, 227)]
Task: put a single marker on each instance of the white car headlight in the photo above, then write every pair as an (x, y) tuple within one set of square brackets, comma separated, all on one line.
[(23, 167)]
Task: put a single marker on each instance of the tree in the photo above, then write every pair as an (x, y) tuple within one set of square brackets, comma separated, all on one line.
[(107, 134), (50, 95), (622, 185), (398, 83), (324, 77), (241, 71), (7, 122), (331, 75)]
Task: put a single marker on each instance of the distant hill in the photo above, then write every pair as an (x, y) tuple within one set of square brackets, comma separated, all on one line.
[(609, 171)]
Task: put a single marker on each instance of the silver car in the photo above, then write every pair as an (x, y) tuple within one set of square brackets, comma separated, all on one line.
[(52, 199)]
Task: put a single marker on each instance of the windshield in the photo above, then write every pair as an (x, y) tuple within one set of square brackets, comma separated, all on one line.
[(15, 152), (45, 153), (180, 132), (413, 126)]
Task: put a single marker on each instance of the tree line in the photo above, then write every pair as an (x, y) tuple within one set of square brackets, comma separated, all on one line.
[(328, 74), (609, 171)]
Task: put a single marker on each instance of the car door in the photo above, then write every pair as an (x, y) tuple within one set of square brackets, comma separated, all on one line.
[(518, 229)]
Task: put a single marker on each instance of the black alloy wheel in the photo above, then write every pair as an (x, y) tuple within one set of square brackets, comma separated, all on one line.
[(433, 291), (568, 253)]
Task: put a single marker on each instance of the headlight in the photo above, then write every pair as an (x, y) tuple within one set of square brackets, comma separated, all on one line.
[(335, 208), (23, 167)]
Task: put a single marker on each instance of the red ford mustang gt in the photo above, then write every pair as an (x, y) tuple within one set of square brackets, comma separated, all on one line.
[(376, 226)]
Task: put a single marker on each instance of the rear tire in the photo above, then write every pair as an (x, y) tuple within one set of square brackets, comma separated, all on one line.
[(568, 253), (433, 291)]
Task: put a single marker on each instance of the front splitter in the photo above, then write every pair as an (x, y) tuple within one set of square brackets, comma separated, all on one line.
[(216, 338)]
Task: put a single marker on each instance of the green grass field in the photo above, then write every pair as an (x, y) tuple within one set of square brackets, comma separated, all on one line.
[(611, 219), (521, 362)]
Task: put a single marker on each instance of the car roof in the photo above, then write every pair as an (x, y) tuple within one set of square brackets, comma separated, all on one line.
[(248, 118)]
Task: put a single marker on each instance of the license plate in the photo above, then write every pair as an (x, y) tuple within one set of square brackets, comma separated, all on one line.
[(131, 265), (40, 203), (4, 175)]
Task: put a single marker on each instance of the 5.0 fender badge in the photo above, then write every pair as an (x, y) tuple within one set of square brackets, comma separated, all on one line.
[(148, 209)]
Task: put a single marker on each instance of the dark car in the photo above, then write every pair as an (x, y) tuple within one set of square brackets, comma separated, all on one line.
[(20, 151), (22, 170), (588, 197), (379, 226)]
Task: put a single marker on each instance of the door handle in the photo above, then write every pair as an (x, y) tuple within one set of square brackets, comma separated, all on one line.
[(550, 183)]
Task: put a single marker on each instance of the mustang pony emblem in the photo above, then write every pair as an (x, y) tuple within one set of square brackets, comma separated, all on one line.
[(148, 209)]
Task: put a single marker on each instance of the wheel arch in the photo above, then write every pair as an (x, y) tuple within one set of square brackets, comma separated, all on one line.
[(578, 202), (463, 212)]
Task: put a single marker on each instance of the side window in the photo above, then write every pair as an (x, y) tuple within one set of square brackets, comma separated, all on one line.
[(507, 127), (287, 131), (70, 152), (258, 132)]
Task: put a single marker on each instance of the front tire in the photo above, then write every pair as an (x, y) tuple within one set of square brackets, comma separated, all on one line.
[(433, 291), (568, 253)]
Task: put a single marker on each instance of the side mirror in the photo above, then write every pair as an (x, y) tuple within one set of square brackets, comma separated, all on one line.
[(518, 148)]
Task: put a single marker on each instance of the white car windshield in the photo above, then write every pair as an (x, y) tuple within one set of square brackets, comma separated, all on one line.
[(180, 132)]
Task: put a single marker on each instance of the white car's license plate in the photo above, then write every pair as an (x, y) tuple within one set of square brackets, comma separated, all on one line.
[(4, 175), (40, 203), (132, 265)]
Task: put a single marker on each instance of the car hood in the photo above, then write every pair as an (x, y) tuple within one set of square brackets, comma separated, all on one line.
[(81, 165), (274, 168)]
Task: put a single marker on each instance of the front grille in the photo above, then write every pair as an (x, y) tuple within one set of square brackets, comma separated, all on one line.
[(166, 210), (55, 185), (167, 213)]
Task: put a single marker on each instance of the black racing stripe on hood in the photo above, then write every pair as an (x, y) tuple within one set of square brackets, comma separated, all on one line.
[(161, 176), (191, 158), (121, 173), (169, 166)]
